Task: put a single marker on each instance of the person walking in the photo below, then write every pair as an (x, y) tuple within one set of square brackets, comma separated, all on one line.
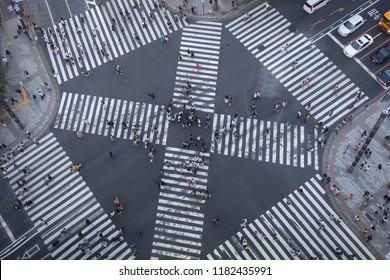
[(215, 220)]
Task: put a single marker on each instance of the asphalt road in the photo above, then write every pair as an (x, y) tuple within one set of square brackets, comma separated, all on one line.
[(241, 188)]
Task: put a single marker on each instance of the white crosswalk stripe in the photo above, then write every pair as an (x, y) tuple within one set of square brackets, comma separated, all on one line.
[(266, 34), (203, 39), (294, 145), (65, 201), (290, 230), (179, 225), (90, 114), (89, 40)]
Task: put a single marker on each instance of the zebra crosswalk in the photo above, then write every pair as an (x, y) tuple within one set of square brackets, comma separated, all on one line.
[(90, 114), (291, 230), (179, 224), (290, 145), (87, 41), (276, 44), (203, 39), (62, 203)]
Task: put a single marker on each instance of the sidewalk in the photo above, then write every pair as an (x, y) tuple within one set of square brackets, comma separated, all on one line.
[(225, 8), (34, 115), (375, 181)]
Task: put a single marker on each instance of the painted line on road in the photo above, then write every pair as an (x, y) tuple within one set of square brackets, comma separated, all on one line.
[(7, 230), (356, 59), (48, 9), (341, 20), (70, 12)]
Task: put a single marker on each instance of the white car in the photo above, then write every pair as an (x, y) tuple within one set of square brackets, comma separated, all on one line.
[(358, 45), (350, 25)]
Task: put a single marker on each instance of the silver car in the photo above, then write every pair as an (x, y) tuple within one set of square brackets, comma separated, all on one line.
[(350, 25)]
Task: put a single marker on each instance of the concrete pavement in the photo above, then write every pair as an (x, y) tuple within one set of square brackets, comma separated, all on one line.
[(205, 10), (35, 115), (338, 158)]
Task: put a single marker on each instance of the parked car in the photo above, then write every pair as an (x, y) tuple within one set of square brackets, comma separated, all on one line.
[(381, 55), (351, 25), (384, 78), (358, 45)]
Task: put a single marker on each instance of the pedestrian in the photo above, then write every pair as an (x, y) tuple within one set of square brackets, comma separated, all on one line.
[(288, 201), (88, 75), (356, 218), (152, 96), (36, 141), (299, 114), (294, 65), (369, 238), (226, 99), (27, 133), (284, 48), (197, 66), (350, 119), (336, 89), (112, 214), (380, 166), (41, 94), (215, 220), (330, 112), (139, 233), (300, 190), (13, 100), (322, 226), (43, 222), (27, 74), (47, 86), (79, 134), (111, 155)]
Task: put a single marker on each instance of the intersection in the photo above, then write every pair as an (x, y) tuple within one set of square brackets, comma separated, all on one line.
[(249, 175)]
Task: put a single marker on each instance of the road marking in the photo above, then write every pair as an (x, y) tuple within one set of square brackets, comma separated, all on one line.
[(7, 230), (354, 58), (316, 23), (48, 8), (70, 12), (338, 10), (341, 20), (30, 252)]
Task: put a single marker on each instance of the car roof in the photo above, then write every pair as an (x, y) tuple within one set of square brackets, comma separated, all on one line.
[(312, 2), (364, 38), (355, 19)]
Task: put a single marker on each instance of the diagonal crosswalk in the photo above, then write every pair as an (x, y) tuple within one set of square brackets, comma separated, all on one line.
[(87, 41), (63, 202), (89, 114), (179, 224), (290, 145), (266, 34), (290, 230), (203, 39)]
